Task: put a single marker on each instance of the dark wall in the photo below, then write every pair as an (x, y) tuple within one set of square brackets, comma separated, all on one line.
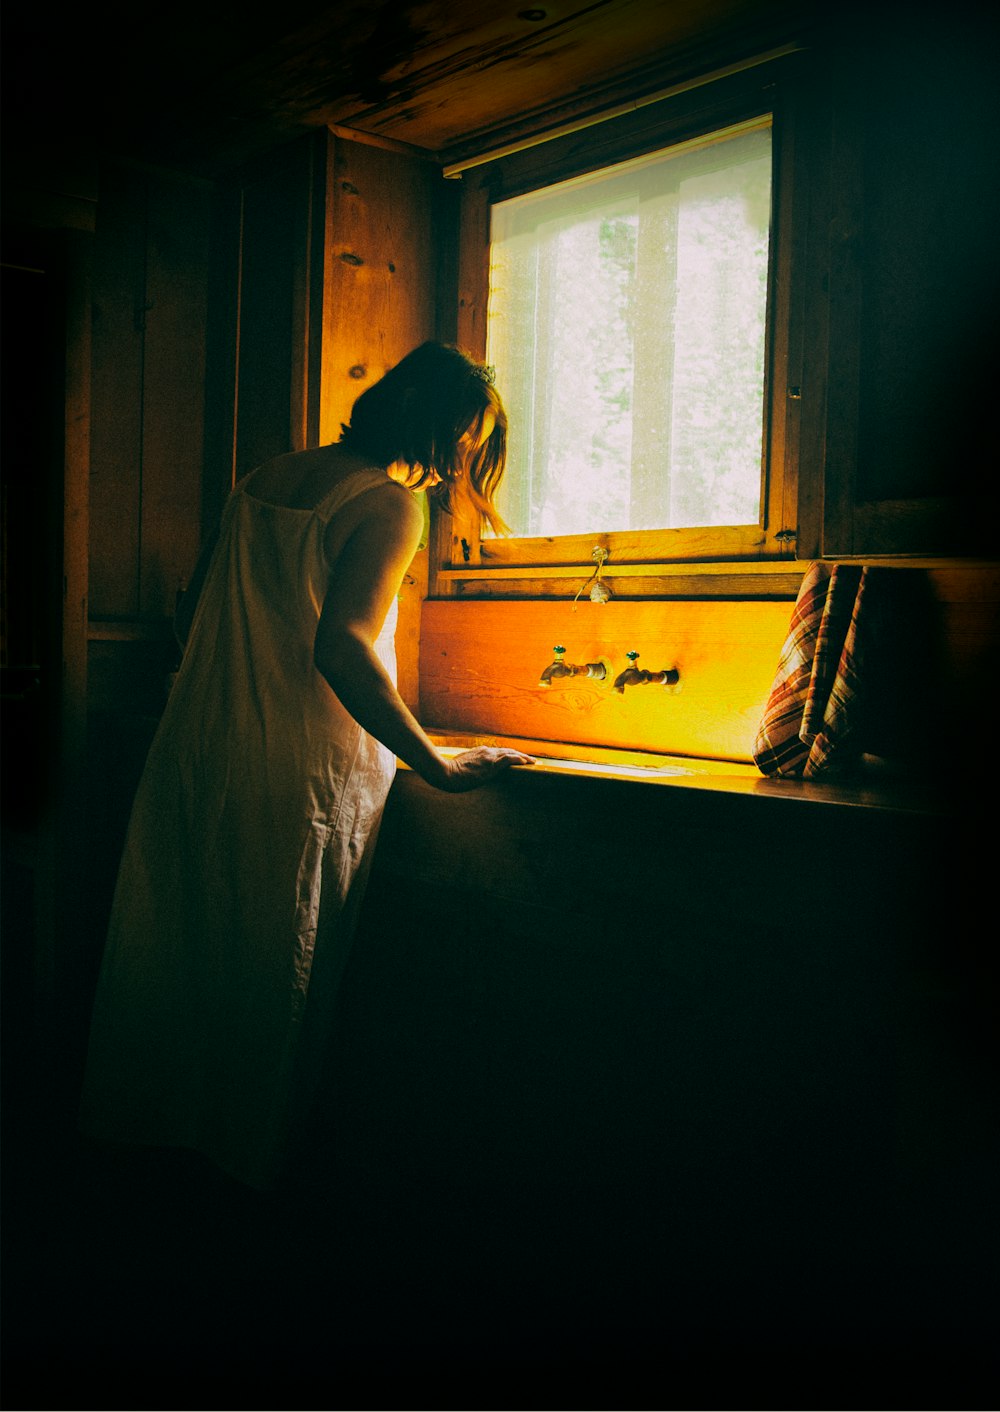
[(903, 272)]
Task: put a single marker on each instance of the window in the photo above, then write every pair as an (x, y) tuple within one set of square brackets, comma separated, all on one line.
[(626, 322), (632, 285)]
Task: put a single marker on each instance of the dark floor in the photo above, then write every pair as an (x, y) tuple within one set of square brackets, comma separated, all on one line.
[(146, 1280)]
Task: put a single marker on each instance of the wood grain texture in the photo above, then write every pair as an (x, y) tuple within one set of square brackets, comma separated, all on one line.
[(148, 389), (173, 409), (411, 598), (380, 283), (276, 205), (116, 393), (480, 665), (480, 661)]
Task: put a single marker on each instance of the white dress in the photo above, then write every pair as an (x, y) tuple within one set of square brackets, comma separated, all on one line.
[(233, 911)]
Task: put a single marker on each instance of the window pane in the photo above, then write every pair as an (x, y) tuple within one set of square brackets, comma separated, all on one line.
[(626, 325)]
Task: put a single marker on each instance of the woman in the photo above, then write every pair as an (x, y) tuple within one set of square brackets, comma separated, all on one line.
[(254, 821)]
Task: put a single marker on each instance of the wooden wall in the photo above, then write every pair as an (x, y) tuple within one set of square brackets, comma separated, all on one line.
[(902, 289), (43, 645), (387, 249), (148, 414), (268, 307), (151, 255), (480, 664)]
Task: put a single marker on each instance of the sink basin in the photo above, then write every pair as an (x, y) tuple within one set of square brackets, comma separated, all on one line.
[(623, 771)]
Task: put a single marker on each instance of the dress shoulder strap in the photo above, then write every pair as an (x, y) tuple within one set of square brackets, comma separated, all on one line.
[(353, 485)]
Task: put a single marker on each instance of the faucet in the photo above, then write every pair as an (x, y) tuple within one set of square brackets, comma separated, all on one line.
[(597, 671), (638, 676)]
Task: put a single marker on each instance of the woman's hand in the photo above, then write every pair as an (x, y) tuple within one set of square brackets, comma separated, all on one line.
[(475, 767)]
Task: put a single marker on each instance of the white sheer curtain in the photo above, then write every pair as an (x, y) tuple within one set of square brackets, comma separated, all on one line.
[(627, 323)]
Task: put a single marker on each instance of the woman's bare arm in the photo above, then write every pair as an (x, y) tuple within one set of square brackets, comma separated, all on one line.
[(366, 578)]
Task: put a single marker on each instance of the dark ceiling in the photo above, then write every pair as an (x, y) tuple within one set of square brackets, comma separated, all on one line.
[(204, 87)]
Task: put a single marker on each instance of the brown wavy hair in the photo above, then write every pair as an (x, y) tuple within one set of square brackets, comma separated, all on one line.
[(418, 413)]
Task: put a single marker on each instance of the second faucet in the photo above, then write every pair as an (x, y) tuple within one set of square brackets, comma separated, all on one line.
[(638, 676)]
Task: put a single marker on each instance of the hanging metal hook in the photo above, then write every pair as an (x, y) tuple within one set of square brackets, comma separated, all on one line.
[(600, 592)]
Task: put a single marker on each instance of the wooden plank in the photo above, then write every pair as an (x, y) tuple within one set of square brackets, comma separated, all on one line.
[(76, 523), (221, 355), (583, 117), (308, 269), (933, 525), (481, 663), (761, 571), (175, 319), (845, 292), (474, 262), (411, 598), (951, 581), (455, 538), (972, 583), (119, 290), (718, 542), (271, 249), (584, 50), (721, 580), (380, 285), (689, 585), (640, 127), (783, 377), (809, 312)]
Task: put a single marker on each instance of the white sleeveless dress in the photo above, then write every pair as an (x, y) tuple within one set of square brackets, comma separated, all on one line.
[(233, 911)]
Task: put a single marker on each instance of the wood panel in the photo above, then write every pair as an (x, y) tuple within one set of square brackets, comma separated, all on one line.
[(147, 446), (911, 289), (721, 579), (482, 67), (968, 608), (481, 663), (455, 537), (658, 581), (481, 660), (46, 445), (281, 240), (117, 393), (380, 283), (173, 410), (411, 599)]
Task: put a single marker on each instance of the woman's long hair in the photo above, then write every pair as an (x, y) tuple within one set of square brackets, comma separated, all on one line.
[(418, 413)]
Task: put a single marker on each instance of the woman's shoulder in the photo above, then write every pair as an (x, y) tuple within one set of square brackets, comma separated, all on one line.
[(373, 504), (306, 480)]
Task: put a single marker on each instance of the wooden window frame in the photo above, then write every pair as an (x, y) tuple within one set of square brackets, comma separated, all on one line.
[(461, 565)]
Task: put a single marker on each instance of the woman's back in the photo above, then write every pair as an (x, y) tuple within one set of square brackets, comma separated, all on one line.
[(258, 800)]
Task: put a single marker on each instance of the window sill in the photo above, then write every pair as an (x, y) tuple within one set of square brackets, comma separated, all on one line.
[(875, 790)]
